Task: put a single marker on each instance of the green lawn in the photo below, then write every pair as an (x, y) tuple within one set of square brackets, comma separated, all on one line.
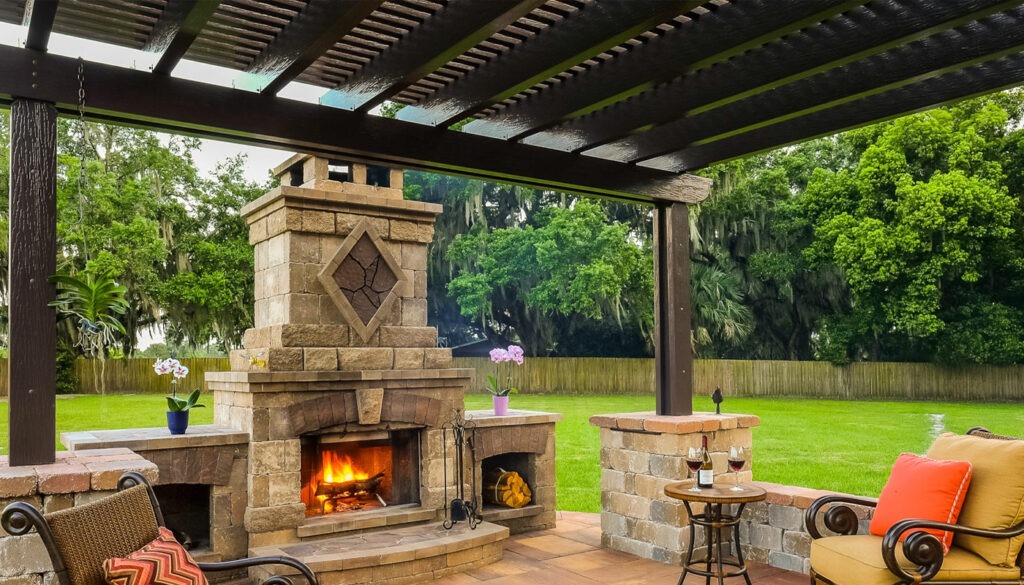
[(837, 445)]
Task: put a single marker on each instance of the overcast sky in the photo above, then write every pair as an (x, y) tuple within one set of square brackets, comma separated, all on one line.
[(260, 160)]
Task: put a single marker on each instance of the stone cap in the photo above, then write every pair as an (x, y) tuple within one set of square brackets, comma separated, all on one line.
[(698, 422), (73, 472), (154, 439), (486, 418), (337, 375), (357, 197), (796, 496)]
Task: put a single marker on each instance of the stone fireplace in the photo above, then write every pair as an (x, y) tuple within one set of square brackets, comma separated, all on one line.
[(340, 383)]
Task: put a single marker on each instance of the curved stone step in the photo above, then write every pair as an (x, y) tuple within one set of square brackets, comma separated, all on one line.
[(391, 557)]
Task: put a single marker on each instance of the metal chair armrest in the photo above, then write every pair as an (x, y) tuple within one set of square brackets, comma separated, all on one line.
[(255, 561), (841, 519), (925, 550)]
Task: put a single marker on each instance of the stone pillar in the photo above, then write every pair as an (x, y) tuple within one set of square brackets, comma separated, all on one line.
[(641, 453)]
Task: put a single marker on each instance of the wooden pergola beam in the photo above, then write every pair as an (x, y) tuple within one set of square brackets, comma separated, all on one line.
[(32, 376), (39, 17), (169, 104), (673, 349)]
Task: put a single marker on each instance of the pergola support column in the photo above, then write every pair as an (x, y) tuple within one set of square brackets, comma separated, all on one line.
[(32, 260), (673, 352)]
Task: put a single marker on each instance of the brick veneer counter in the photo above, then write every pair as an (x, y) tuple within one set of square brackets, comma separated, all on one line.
[(152, 439), (487, 418)]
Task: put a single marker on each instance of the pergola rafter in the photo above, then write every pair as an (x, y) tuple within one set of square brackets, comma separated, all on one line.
[(178, 27)]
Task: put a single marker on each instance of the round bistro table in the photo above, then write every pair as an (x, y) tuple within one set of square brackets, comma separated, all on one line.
[(714, 520)]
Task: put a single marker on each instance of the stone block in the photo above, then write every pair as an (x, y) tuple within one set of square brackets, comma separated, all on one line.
[(419, 287), (284, 359), (366, 358), (306, 335), (303, 248), (627, 505), (283, 220), (277, 251), (671, 512), (258, 490), (408, 358), (56, 502), (331, 315), (320, 222), (320, 359), (257, 231), (392, 336), (369, 402), (410, 231), (767, 537), (273, 457), (786, 561), (17, 481), (105, 474), (785, 517), (614, 524), (63, 478), (277, 311), (650, 487), (629, 546), (797, 543), (414, 257), (274, 518), (414, 312), (21, 555), (669, 467), (284, 488), (256, 337), (302, 308), (439, 357)]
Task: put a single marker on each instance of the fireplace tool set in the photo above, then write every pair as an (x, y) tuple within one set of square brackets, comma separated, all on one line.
[(459, 508)]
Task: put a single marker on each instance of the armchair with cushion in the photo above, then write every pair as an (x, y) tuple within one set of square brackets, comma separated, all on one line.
[(80, 539), (987, 537)]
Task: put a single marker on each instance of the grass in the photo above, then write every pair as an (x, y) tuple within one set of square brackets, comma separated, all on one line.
[(837, 445)]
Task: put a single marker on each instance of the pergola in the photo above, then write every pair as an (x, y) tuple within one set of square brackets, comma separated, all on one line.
[(609, 98)]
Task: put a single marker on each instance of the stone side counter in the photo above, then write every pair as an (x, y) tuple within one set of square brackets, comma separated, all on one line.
[(641, 453)]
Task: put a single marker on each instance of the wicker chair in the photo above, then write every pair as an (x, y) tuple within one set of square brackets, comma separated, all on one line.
[(79, 539), (851, 559)]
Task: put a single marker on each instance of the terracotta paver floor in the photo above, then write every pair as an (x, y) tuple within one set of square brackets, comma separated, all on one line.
[(571, 554)]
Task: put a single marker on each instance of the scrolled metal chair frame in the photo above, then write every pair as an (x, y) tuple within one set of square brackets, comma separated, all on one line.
[(19, 518), (920, 548)]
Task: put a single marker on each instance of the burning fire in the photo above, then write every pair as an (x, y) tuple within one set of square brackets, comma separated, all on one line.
[(338, 468)]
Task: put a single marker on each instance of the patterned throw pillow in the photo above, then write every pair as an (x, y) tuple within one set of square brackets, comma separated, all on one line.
[(161, 562)]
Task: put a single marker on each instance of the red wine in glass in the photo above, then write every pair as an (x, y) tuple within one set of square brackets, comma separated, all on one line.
[(736, 464), (694, 465), (693, 462), (737, 457)]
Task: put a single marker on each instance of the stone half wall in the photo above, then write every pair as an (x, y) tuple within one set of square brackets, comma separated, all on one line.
[(75, 478)]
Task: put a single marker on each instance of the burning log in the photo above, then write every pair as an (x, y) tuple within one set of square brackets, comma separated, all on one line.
[(506, 488), (351, 489)]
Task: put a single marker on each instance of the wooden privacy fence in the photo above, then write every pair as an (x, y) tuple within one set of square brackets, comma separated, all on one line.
[(858, 381), (136, 376), (583, 376)]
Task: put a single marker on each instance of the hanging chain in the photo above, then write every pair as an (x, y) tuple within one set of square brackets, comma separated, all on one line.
[(82, 184)]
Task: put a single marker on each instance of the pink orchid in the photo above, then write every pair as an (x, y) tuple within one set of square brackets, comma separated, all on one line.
[(499, 355)]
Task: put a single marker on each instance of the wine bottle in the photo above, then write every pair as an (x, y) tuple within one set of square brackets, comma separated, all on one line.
[(706, 473)]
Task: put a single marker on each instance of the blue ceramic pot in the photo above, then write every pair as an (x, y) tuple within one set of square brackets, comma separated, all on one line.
[(177, 421)]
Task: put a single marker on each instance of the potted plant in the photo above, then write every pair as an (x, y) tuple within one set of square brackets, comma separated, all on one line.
[(504, 358), (177, 407)]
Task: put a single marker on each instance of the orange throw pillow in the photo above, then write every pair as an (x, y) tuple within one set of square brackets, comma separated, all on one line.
[(927, 489), (161, 562)]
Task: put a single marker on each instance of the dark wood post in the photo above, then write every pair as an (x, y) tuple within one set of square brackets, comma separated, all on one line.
[(673, 354), (32, 381)]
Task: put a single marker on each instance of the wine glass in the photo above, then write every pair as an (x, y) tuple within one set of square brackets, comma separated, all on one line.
[(694, 459), (737, 458)]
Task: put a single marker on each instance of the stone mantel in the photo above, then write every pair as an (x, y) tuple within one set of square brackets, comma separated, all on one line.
[(264, 379)]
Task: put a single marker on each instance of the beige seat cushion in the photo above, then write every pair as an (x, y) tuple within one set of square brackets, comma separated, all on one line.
[(857, 560), (995, 499)]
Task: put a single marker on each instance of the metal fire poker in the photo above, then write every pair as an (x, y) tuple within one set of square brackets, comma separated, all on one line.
[(460, 508)]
